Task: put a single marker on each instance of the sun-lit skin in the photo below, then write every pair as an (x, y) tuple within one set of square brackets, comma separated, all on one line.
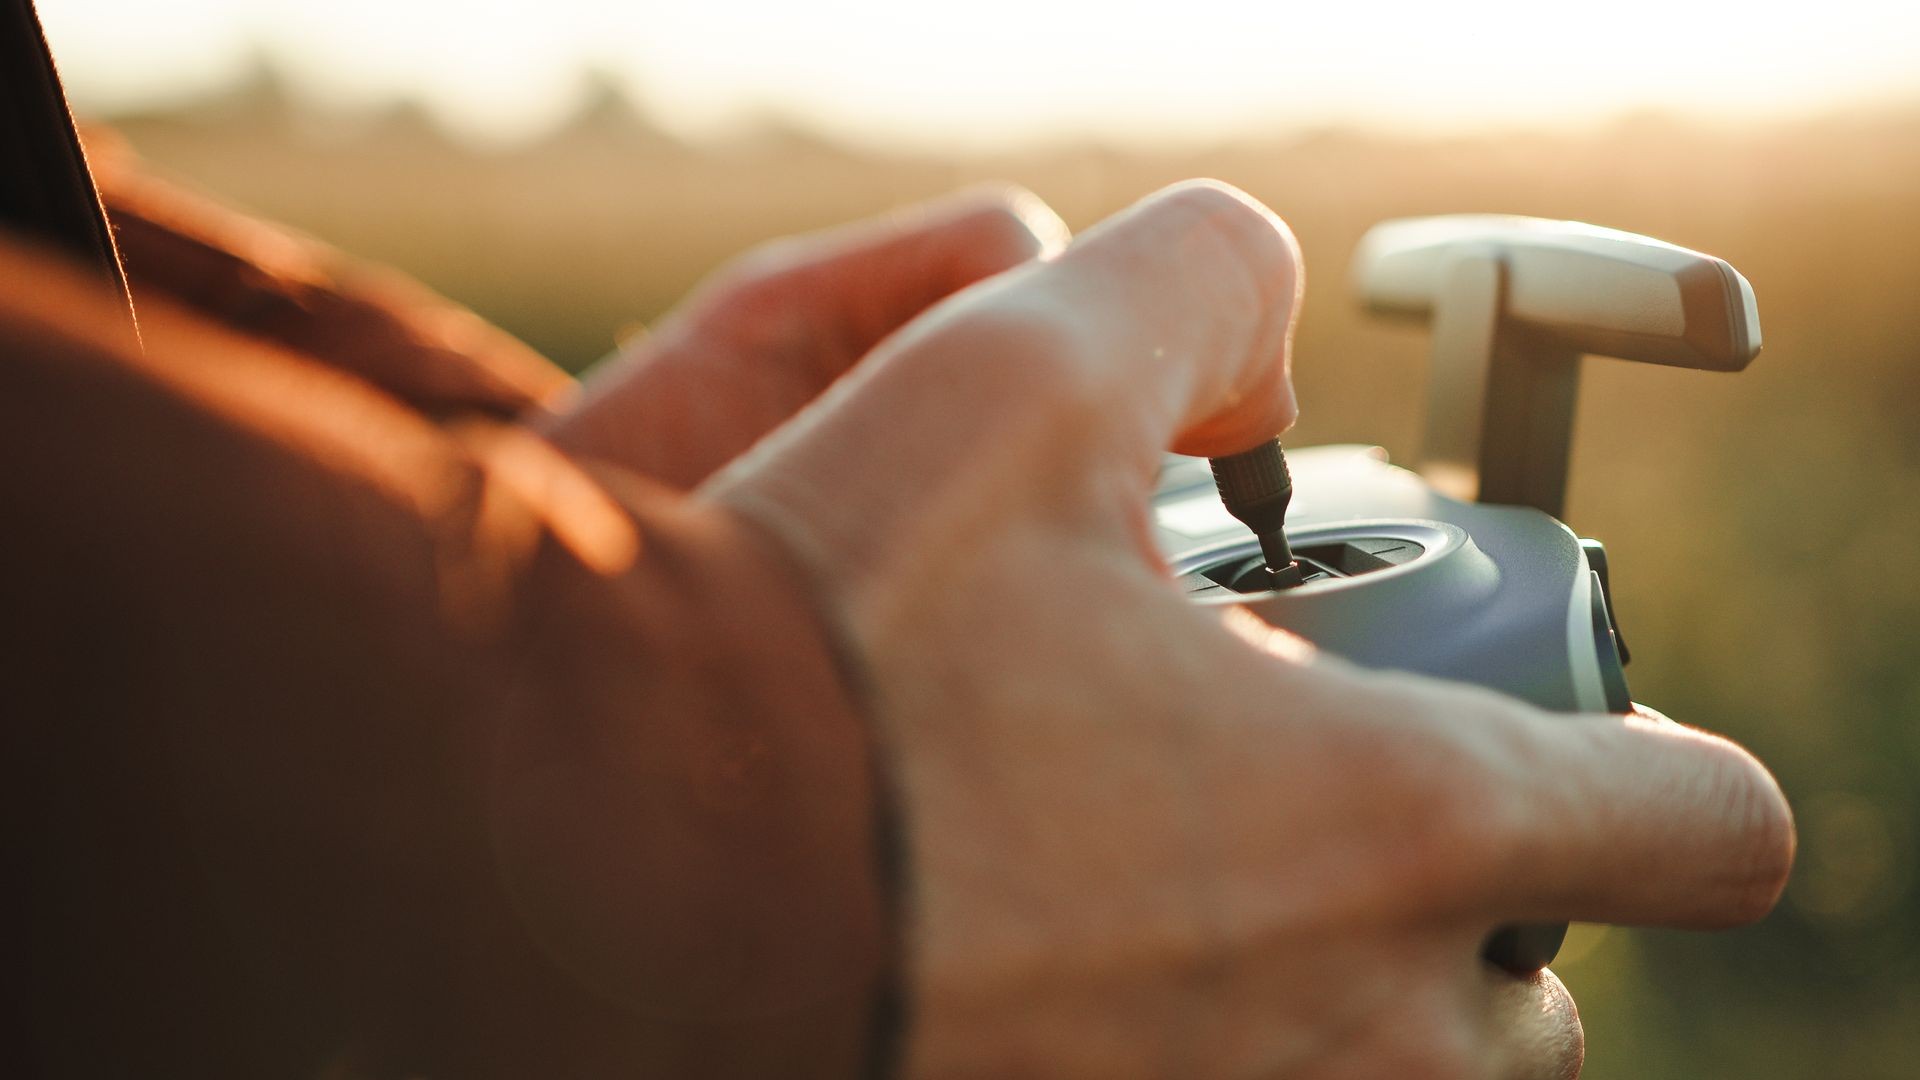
[(998, 71)]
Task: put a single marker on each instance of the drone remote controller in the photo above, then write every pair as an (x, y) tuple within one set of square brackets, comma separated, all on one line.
[(1461, 568)]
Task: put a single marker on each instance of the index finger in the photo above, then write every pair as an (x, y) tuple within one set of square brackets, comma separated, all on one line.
[(1167, 325), (1193, 294)]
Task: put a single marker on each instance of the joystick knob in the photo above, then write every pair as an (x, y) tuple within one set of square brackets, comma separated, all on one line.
[(1256, 487)]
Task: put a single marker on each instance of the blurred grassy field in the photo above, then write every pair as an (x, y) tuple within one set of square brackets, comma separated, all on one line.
[(1765, 527)]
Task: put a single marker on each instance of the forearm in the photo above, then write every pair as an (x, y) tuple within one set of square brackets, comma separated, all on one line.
[(720, 860)]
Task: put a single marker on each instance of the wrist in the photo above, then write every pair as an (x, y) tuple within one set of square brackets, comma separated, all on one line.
[(685, 806)]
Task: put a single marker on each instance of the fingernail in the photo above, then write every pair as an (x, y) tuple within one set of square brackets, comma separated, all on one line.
[(1040, 219)]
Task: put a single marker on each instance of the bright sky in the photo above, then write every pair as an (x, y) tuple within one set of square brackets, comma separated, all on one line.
[(995, 70)]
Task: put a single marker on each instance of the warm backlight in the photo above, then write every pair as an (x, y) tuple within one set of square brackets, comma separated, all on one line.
[(1009, 70)]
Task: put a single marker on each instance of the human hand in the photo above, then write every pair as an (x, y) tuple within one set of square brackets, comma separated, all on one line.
[(768, 333), (1144, 840)]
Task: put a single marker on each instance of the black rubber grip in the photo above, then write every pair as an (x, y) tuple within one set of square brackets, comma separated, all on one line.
[(1252, 482), (1523, 950), (1256, 487)]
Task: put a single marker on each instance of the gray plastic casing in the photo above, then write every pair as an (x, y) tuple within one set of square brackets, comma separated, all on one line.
[(1502, 596)]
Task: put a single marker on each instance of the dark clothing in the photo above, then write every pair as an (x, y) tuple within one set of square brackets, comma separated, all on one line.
[(319, 668)]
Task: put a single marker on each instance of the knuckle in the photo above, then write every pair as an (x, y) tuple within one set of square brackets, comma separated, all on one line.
[(1018, 323), (1448, 766), (1212, 198), (1255, 239), (1029, 349)]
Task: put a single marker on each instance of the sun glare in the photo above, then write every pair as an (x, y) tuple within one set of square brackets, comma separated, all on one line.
[(1008, 70)]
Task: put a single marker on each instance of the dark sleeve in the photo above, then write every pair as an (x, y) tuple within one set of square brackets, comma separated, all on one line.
[(336, 744), (282, 286)]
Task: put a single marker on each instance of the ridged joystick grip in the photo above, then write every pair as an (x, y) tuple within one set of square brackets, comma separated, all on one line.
[(1256, 487)]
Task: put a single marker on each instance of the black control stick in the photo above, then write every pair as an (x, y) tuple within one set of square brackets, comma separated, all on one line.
[(1256, 488)]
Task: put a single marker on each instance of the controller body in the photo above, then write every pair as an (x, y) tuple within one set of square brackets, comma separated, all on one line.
[(1401, 576), (1460, 568)]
